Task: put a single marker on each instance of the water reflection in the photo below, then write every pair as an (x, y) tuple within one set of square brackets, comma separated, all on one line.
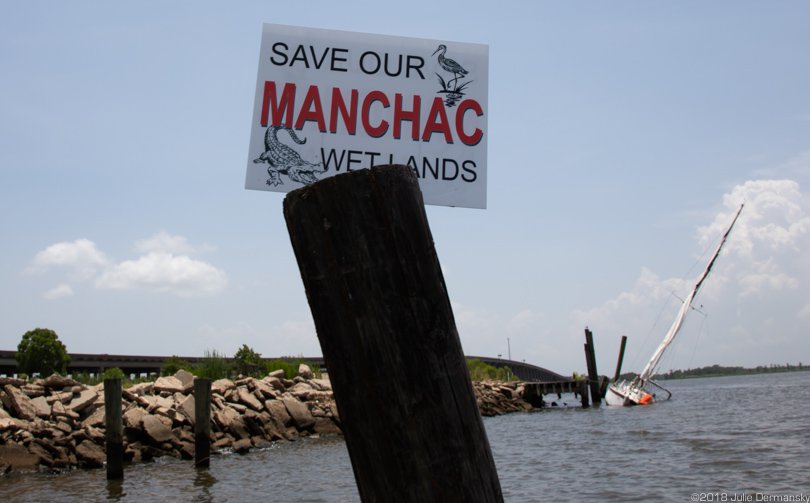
[(115, 489), (204, 481)]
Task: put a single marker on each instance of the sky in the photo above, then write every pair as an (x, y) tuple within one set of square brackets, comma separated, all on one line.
[(621, 139)]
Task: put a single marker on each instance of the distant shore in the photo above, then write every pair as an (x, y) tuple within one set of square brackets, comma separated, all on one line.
[(721, 371)]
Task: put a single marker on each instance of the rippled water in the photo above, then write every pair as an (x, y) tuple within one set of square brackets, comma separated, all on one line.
[(729, 435)]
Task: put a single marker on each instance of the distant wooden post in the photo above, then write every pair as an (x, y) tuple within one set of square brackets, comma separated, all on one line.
[(386, 328), (202, 422), (621, 359), (114, 433), (593, 375), (583, 393)]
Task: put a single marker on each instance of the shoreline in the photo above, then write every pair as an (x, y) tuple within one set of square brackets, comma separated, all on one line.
[(56, 424)]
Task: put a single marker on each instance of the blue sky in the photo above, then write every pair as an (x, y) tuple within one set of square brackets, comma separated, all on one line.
[(621, 138)]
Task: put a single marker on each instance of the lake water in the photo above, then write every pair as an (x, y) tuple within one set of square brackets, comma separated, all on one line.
[(719, 439)]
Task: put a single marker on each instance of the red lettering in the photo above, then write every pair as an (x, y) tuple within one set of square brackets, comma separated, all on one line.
[(437, 111), (406, 115), (474, 138), (382, 128), (271, 105), (349, 113), (311, 110)]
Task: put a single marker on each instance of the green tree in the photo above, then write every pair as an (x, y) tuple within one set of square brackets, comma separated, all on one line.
[(40, 350), (174, 363), (246, 361), (113, 373)]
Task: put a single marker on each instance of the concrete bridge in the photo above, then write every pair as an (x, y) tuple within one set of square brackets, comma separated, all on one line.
[(135, 364)]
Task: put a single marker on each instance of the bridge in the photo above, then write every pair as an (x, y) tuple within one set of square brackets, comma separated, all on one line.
[(139, 364)]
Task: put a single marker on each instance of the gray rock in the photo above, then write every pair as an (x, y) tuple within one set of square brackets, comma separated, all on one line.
[(299, 412), (277, 409), (20, 403), (304, 371), (274, 382), (91, 454), (55, 381), (169, 384), (83, 401), (186, 378), (156, 429), (242, 446), (221, 386), (42, 407), (186, 408), (133, 418), (249, 399)]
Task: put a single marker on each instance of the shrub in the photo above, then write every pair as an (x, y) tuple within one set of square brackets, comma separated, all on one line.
[(113, 373), (40, 350), (174, 363), (480, 371), (246, 361), (213, 366)]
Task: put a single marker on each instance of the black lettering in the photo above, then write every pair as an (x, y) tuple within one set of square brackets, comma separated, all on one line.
[(376, 62), (388, 71), (426, 166), (454, 166), (283, 55), (336, 58), (371, 156), (415, 63), (300, 55), (332, 157), (353, 159), (468, 170), (315, 60)]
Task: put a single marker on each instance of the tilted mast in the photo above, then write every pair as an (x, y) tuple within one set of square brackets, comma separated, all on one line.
[(687, 304)]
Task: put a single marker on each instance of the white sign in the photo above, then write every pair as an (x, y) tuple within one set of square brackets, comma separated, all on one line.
[(328, 102)]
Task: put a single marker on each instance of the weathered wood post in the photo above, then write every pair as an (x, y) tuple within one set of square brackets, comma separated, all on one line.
[(114, 433), (386, 328), (593, 375), (621, 359), (583, 393), (202, 422)]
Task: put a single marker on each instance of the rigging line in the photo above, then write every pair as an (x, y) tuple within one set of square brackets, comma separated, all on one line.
[(703, 326)]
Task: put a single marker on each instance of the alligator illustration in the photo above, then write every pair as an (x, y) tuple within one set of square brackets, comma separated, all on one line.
[(283, 160)]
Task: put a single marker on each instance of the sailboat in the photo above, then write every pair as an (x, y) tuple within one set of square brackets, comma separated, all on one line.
[(642, 390)]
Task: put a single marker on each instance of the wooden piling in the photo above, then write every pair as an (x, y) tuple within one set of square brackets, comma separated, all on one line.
[(583, 394), (114, 433), (620, 360), (386, 328), (593, 375), (202, 422)]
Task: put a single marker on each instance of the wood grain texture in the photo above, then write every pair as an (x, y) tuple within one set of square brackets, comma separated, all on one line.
[(386, 328)]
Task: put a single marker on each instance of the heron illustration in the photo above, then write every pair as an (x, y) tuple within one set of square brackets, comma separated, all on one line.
[(450, 65)]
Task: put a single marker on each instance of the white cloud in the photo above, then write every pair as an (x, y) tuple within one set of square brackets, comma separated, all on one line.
[(164, 266), (58, 292), (81, 257), (755, 282), (168, 243), (164, 272)]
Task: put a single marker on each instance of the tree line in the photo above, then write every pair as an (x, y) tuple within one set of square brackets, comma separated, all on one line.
[(41, 352)]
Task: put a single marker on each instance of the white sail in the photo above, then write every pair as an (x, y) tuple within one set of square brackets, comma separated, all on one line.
[(687, 304), (632, 392)]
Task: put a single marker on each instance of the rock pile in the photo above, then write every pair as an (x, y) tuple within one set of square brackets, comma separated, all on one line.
[(495, 398), (58, 423)]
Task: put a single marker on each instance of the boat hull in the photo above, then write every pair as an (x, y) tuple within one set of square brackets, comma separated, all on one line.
[(626, 394)]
